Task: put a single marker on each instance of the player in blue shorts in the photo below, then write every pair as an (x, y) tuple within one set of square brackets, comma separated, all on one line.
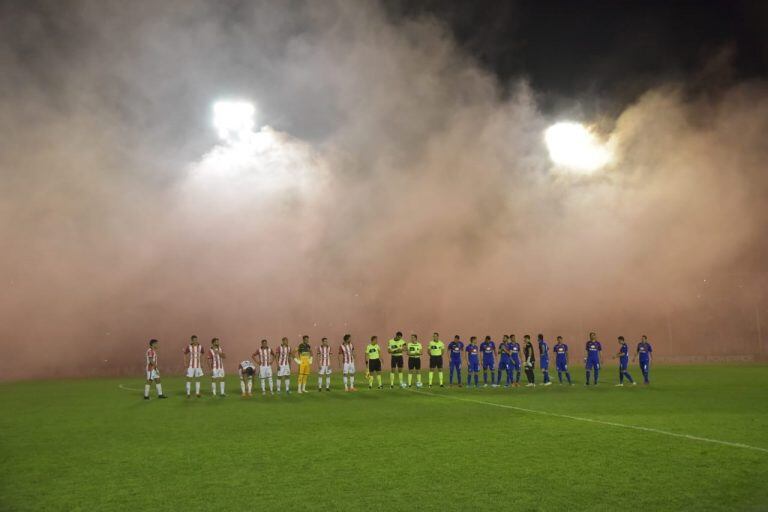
[(455, 349), (473, 361), (544, 359), (643, 353), (561, 360), (623, 356), (488, 349), (505, 363), (593, 357), (514, 350)]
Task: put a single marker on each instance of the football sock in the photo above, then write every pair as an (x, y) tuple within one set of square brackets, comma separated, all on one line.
[(568, 376), (197, 387), (431, 375), (391, 378), (546, 376), (485, 377), (621, 377), (327, 382), (213, 388), (476, 380), (418, 378), (188, 386), (378, 378), (597, 373), (498, 379), (271, 385), (146, 389), (250, 385), (560, 377), (629, 377), (221, 387), (319, 382), (588, 374), (440, 377), (159, 388), (263, 386), (352, 380), (410, 379), (242, 387), (400, 378), (279, 383), (344, 380), (287, 385), (469, 378)]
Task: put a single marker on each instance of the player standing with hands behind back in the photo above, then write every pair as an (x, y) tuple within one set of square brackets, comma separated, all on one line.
[(193, 359), (594, 356)]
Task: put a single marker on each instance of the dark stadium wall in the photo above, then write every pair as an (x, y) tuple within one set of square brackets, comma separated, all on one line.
[(401, 186)]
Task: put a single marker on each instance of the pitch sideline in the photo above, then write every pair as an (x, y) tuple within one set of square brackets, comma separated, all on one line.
[(602, 422)]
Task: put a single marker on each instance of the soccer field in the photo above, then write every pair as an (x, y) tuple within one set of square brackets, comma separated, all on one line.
[(701, 443)]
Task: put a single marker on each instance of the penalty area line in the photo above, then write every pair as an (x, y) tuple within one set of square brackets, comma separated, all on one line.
[(602, 422), (128, 389)]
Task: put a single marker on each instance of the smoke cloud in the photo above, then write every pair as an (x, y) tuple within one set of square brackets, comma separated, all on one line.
[(393, 184)]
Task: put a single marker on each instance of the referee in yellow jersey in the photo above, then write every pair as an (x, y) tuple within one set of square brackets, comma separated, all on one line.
[(373, 361), (414, 360), (436, 351)]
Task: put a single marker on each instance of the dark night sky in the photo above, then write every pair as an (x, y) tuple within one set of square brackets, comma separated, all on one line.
[(608, 51)]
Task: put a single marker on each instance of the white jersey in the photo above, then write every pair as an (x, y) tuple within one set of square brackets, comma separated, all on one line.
[(195, 353), (283, 355), (265, 356), (324, 353), (214, 354), (247, 364), (347, 351)]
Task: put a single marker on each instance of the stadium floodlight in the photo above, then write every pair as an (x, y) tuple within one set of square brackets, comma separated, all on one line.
[(574, 147), (233, 119)]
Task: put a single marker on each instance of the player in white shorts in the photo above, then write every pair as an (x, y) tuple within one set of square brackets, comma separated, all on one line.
[(193, 360), (246, 371), (324, 365), (216, 358), (264, 357), (347, 363), (153, 374), (284, 354)]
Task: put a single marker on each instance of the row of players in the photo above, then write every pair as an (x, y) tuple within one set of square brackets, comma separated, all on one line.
[(509, 355)]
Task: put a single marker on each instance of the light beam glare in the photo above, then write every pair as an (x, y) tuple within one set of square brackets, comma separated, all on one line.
[(572, 146), (233, 120)]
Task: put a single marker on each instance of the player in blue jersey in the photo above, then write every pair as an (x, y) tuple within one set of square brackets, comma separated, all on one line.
[(505, 362), (561, 360), (514, 351), (623, 356), (488, 349), (643, 353), (455, 349), (544, 359), (594, 357), (473, 361)]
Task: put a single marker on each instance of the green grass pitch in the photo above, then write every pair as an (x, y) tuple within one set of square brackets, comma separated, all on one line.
[(89, 445)]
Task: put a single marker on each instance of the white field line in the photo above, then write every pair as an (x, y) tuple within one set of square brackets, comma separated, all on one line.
[(601, 422), (128, 389)]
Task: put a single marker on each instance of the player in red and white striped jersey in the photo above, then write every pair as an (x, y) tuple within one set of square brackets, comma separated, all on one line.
[(153, 374), (284, 354), (193, 360), (246, 371), (324, 365), (347, 363), (216, 358), (264, 356)]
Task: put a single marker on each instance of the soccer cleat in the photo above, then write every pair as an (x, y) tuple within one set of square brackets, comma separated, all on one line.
[(319, 390), (162, 396), (381, 387), (146, 397), (442, 385), (222, 395), (619, 385), (198, 395), (391, 387), (353, 389), (530, 384), (548, 383), (634, 383)]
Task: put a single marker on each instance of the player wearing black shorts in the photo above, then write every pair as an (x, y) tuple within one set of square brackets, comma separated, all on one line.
[(414, 360), (373, 360), (436, 351), (395, 347)]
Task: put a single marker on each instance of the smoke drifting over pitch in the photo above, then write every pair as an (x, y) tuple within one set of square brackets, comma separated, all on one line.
[(393, 185)]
